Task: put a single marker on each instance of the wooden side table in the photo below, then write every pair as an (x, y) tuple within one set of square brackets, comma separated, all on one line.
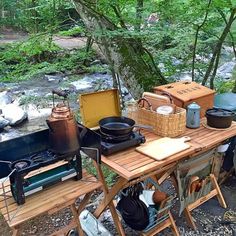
[(50, 200)]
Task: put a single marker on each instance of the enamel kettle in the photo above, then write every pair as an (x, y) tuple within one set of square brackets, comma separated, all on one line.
[(193, 115)]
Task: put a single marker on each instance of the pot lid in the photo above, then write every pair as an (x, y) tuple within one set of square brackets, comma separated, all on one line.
[(219, 112), (194, 106), (225, 101), (95, 106), (165, 110)]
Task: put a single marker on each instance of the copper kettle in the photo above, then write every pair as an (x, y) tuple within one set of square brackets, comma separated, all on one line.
[(63, 131)]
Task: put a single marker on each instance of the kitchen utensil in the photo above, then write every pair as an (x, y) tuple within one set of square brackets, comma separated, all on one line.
[(118, 125), (219, 118), (193, 115), (148, 196), (63, 131), (133, 210), (226, 101), (159, 196), (165, 110), (164, 147), (156, 100)]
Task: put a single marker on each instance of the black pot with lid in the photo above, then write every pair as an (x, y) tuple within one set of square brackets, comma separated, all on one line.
[(219, 118)]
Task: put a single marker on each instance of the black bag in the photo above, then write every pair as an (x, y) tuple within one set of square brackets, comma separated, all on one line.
[(228, 162), (133, 210)]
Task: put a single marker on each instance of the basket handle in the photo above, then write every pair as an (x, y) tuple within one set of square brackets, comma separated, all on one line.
[(142, 101), (169, 96)]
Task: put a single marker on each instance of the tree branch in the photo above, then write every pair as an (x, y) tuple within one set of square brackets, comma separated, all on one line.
[(219, 45), (230, 33), (139, 12), (118, 14), (196, 38), (215, 70)]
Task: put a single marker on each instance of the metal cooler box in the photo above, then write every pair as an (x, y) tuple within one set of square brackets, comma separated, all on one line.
[(185, 92)]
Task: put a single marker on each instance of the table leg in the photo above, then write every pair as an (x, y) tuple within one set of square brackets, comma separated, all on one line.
[(108, 197), (16, 231), (173, 225), (76, 218), (83, 203)]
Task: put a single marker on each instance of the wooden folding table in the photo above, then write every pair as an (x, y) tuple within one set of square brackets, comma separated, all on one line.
[(132, 166)]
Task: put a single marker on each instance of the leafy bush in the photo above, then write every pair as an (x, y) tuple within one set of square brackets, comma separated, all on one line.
[(39, 55), (36, 49), (75, 31)]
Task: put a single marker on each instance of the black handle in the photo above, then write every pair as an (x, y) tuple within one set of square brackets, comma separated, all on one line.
[(60, 93), (168, 95), (141, 105)]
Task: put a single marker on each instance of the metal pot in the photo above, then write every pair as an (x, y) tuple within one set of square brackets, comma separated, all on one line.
[(63, 131), (118, 126), (219, 118)]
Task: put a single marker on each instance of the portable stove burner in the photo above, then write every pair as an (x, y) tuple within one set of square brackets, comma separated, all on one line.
[(113, 145), (20, 164), (42, 156)]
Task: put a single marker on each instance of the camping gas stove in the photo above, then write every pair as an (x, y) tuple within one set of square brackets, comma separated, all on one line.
[(37, 171), (110, 145), (106, 144)]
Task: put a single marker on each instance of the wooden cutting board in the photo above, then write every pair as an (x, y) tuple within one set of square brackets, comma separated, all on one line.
[(164, 147)]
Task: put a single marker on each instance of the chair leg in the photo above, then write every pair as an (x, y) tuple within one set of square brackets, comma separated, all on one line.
[(189, 218), (219, 193), (173, 226)]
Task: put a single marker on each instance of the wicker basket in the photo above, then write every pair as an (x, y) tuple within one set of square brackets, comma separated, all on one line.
[(171, 125)]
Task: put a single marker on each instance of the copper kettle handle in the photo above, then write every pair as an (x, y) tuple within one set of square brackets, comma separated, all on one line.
[(60, 93)]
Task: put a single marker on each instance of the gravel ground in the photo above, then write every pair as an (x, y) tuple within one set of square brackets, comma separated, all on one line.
[(207, 217)]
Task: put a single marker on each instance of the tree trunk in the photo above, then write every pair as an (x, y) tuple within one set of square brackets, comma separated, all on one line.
[(218, 46), (139, 12), (125, 55), (196, 39)]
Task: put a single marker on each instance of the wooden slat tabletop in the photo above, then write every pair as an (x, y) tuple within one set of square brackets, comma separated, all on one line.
[(131, 164), (56, 196)]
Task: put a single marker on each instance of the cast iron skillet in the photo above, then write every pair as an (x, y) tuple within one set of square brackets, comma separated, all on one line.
[(118, 125)]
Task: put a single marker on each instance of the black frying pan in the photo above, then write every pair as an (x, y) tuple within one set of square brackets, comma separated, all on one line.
[(118, 125)]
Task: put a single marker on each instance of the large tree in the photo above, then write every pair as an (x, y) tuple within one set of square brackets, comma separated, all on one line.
[(122, 47), (186, 30)]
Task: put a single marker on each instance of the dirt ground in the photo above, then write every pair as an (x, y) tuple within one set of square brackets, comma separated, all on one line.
[(69, 43), (208, 218)]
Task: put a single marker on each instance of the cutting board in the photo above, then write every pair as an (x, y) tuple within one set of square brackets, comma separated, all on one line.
[(164, 147)]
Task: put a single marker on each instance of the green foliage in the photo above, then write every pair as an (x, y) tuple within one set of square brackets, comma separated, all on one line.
[(36, 16), (225, 86), (39, 55), (37, 48), (109, 175), (74, 31)]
